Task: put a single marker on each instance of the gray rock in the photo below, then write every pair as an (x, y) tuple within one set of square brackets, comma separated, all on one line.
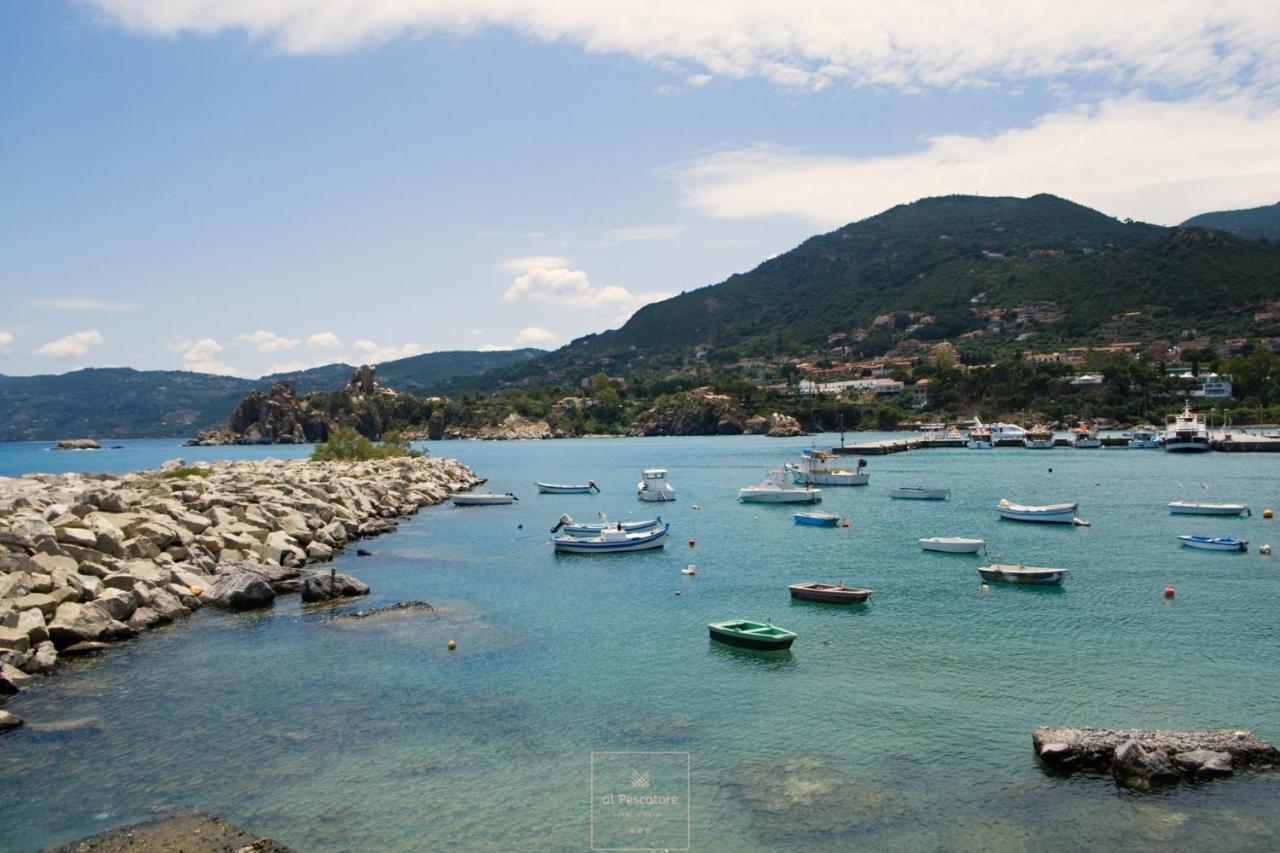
[(32, 622), (322, 586), (117, 602), (9, 720), (1204, 763), (14, 639), (41, 601), (43, 660), (144, 618), (13, 679), (239, 591), (1134, 767), (75, 623), (86, 647)]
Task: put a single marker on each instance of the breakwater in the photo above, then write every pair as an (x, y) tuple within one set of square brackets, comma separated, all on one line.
[(90, 559)]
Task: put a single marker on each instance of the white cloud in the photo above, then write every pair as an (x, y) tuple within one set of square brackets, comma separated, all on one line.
[(812, 44), (571, 287), (536, 337), (649, 232), (264, 341), (533, 262), (372, 353), (73, 345), (6, 343), (293, 366), (77, 303), (1156, 161), (324, 340)]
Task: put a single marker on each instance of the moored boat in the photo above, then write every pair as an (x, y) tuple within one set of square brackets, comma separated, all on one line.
[(1085, 438), (919, 493), (592, 528), (1190, 508), (817, 519), (775, 488), (1039, 437), (980, 438), (611, 541), (1186, 433), (568, 488), (653, 485), (829, 593), (1062, 513), (1144, 439), (953, 544), (482, 498), (815, 469), (763, 636), (1032, 575), (1214, 543)]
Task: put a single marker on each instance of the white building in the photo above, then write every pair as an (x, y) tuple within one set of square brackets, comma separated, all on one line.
[(1209, 385), (877, 386)]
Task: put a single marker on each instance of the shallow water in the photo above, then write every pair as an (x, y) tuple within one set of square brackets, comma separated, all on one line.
[(369, 734)]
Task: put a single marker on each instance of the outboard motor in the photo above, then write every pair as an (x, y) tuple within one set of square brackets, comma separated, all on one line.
[(564, 519)]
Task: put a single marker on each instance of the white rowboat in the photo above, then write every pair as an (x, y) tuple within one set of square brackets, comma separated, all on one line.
[(918, 493), (1063, 513), (953, 544), (567, 488), (1189, 508), (611, 541), (1214, 543), (483, 499)]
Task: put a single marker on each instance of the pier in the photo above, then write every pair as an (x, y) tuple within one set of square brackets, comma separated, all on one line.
[(1225, 444)]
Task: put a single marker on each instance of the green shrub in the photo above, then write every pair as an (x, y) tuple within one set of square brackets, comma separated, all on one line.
[(347, 445), (178, 473)]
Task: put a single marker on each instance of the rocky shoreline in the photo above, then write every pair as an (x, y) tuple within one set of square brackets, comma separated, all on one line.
[(90, 559)]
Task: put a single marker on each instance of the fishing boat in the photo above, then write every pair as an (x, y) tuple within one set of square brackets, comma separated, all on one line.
[(1144, 439), (1186, 433), (919, 493), (1085, 438), (611, 541), (979, 438), (817, 519), (1033, 575), (653, 485), (815, 469), (483, 499), (953, 544), (592, 528), (763, 636), (1214, 543), (568, 489), (829, 593), (1063, 513), (1189, 508), (1039, 437), (775, 488)]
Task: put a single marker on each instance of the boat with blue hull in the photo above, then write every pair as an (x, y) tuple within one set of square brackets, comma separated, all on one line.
[(595, 528), (1214, 543), (611, 541), (817, 519)]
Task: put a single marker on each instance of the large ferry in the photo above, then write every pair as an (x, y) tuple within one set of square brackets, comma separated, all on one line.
[(1186, 433)]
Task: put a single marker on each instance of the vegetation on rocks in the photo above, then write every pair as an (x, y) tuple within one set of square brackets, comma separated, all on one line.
[(347, 445)]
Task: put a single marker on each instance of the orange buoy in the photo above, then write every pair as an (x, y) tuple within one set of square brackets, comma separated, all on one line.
[(692, 542), (1168, 592), (844, 522)]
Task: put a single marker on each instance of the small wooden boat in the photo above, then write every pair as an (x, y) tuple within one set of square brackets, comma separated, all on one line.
[(829, 593), (594, 528), (919, 493), (953, 544), (1033, 575), (483, 499), (611, 541), (567, 488), (752, 635), (1063, 513), (1189, 508), (817, 519), (1214, 543)]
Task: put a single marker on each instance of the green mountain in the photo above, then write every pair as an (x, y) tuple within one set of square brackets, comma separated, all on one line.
[(126, 403), (953, 258), (1253, 223)]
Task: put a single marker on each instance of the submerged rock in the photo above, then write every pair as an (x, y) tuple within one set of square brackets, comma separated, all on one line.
[(398, 607), (1134, 767), (805, 794), (323, 586), (197, 832), (9, 720)]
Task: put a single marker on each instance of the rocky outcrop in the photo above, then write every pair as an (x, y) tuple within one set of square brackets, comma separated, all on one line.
[(77, 444), (323, 586), (783, 426), (1147, 759), (516, 427), (196, 832), (398, 607), (700, 412), (277, 417), (89, 560)]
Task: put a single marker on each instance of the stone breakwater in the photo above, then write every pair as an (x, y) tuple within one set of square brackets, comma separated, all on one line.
[(89, 559)]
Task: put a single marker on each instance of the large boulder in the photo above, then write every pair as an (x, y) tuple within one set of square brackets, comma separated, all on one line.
[(9, 720), (43, 660), (1204, 763), (74, 623), (322, 586), (119, 603), (783, 426), (239, 591), (1134, 767)]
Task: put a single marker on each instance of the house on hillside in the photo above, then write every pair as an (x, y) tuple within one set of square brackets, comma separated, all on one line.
[(920, 394)]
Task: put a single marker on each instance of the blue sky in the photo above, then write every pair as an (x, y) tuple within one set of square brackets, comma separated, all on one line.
[(243, 187)]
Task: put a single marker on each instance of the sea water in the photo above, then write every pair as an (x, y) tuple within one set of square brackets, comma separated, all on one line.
[(904, 724)]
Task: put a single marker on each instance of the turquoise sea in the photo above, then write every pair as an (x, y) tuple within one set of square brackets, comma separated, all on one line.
[(901, 725)]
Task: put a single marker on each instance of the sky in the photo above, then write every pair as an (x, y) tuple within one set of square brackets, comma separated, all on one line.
[(251, 186)]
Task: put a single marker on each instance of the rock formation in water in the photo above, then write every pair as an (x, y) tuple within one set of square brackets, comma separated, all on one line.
[(195, 832), (87, 560), (783, 426), (77, 444)]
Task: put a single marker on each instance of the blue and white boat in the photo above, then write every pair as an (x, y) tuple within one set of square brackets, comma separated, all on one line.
[(1063, 513), (1144, 439), (595, 528), (568, 488), (1030, 575), (817, 519), (1214, 543), (611, 541)]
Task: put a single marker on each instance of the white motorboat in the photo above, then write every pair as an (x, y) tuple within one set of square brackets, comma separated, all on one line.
[(1144, 439), (1039, 437), (953, 544), (1007, 435), (919, 493), (593, 528), (567, 488), (611, 541), (1214, 543), (980, 438), (1189, 508), (1085, 439), (1186, 433), (483, 499), (1063, 513), (653, 485), (775, 488), (815, 470)]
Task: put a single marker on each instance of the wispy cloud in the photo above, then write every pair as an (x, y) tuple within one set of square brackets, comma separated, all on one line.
[(648, 232), (78, 303), (531, 336), (812, 45), (532, 262), (373, 353), (324, 340), (1157, 161), (573, 288), (264, 341), (73, 345)]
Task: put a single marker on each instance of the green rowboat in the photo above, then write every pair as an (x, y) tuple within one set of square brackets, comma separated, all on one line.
[(752, 635)]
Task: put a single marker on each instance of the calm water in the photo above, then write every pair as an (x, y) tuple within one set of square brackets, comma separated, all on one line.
[(371, 735)]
